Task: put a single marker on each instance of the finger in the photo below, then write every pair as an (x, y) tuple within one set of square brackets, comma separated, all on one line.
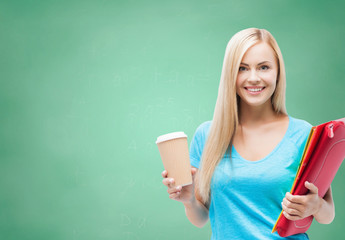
[(174, 195), (169, 182), (312, 188), (291, 211), (294, 198), (165, 173), (291, 217), (292, 205), (194, 171), (174, 189)]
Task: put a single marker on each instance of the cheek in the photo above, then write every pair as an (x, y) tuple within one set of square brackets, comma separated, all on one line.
[(274, 83), (270, 77), (274, 79), (240, 80)]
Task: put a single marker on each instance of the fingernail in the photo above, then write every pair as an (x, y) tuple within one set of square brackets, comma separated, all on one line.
[(178, 187), (171, 181)]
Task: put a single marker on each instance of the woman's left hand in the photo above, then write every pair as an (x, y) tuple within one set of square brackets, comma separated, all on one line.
[(297, 207)]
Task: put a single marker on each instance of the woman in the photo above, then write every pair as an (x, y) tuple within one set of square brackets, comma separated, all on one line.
[(245, 160)]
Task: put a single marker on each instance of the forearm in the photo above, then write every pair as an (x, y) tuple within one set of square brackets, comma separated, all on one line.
[(196, 212), (325, 214)]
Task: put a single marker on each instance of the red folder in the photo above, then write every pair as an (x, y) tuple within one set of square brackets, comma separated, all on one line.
[(322, 157)]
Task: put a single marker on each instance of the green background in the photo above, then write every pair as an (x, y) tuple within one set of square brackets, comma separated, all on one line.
[(87, 86)]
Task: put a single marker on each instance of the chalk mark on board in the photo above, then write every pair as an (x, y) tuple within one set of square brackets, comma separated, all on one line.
[(157, 76), (125, 220), (118, 81), (142, 222), (128, 184)]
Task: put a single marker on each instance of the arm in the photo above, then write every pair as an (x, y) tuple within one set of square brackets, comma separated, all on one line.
[(298, 207), (196, 211)]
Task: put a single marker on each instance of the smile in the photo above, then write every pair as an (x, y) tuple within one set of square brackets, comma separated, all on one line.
[(254, 89)]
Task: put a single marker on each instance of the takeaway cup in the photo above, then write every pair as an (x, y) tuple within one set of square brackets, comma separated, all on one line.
[(173, 148)]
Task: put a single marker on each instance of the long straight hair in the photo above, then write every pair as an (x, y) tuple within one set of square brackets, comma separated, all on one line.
[(225, 117)]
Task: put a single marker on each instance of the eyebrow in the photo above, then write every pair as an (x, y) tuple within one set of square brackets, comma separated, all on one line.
[(245, 64)]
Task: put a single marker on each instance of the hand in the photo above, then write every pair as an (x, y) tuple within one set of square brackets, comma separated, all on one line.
[(296, 207), (182, 194)]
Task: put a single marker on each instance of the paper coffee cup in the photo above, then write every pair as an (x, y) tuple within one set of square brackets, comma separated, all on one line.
[(173, 148)]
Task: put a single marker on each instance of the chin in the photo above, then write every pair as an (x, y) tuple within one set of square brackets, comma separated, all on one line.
[(261, 103)]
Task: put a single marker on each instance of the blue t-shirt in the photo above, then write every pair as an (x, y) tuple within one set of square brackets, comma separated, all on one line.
[(246, 195)]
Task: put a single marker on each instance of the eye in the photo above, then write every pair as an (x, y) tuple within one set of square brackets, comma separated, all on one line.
[(264, 67), (241, 69)]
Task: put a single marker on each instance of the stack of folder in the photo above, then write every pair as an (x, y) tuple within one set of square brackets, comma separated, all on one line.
[(322, 157)]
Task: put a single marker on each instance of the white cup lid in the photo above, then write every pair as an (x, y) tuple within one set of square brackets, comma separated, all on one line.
[(170, 136)]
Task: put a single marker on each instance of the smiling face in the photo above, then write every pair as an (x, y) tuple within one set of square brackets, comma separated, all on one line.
[(257, 76)]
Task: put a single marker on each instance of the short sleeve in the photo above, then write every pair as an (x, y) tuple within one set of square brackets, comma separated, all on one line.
[(299, 133), (301, 130), (197, 144)]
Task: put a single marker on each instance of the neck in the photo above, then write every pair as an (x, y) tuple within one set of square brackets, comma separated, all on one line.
[(256, 115)]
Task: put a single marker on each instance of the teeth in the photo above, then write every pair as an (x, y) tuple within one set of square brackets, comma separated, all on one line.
[(254, 89)]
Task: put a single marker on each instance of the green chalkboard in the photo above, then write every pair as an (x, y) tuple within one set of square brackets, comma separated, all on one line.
[(87, 86)]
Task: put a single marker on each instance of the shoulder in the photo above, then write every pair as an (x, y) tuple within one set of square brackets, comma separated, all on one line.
[(204, 128), (299, 124), (202, 131), (299, 129), (198, 142)]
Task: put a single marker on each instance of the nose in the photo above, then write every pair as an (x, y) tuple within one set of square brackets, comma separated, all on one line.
[(253, 77)]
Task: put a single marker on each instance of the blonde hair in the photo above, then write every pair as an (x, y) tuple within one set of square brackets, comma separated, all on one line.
[(225, 117)]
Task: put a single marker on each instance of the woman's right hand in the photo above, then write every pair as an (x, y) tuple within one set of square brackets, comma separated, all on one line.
[(182, 194)]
